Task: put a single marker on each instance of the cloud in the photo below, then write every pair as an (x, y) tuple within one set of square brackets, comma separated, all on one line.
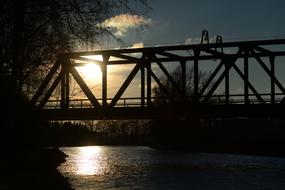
[(121, 23), (192, 41), (138, 45)]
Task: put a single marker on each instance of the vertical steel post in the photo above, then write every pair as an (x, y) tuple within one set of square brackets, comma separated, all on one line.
[(148, 80), (104, 80), (142, 86), (65, 65), (246, 99), (272, 65), (62, 85), (196, 75), (67, 87), (227, 82)]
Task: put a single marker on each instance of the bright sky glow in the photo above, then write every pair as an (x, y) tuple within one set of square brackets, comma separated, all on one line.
[(90, 72)]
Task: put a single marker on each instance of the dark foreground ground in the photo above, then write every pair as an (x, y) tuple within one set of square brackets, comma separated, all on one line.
[(23, 163), (32, 169)]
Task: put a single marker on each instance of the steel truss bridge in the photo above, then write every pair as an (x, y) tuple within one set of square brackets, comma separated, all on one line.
[(229, 56)]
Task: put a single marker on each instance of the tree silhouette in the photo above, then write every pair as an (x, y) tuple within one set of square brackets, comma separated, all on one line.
[(178, 127), (33, 32), (176, 74)]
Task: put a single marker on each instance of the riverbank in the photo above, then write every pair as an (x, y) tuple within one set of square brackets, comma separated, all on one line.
[(24, 168), (247, 136)]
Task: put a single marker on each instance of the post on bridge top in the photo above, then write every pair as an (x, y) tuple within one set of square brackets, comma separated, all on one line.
[(205, 37), (219, 40)]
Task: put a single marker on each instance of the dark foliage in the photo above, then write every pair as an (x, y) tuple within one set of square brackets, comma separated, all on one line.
[(103, 133), (33, 32)]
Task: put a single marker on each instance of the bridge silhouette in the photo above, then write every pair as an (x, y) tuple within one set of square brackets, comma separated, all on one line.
[(205, 102)]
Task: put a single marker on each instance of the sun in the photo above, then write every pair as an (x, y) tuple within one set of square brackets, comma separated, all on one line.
[(90, 72)]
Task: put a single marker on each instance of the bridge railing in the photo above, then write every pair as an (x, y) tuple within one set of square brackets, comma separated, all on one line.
[(136, 101), (240, 98), (85, 103)]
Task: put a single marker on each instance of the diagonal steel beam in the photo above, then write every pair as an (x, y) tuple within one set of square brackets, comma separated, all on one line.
[(249, 84), (213, 75), (231, 60), (126, 84), (211, 78), (84, 88), (45, 82), (161, 86), (174, 83), (169, 77), (50, 90), (272, 76), (263, 50)]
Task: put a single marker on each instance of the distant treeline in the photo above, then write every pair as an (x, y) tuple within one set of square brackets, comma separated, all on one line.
[(99, 133), (228, 135)]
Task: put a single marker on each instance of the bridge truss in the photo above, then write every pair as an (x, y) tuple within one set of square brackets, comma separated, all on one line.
[(229, 57)]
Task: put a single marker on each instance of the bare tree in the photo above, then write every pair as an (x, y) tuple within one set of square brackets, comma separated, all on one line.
[(176, 74), (33, 32)]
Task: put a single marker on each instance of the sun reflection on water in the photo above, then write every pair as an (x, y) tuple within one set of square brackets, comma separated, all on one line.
[(90, 161)]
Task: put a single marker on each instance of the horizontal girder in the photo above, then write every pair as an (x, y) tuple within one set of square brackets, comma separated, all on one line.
[(204, 100), (203, 111), (179, 47)]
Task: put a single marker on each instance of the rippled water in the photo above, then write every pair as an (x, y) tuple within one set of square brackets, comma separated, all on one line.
[(107, 167)]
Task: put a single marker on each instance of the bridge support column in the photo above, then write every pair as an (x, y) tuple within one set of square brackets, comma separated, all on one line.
[(148, 80), (272, 65), (104, 80), (246, 99), (227, 81), (196, 76), (64, 103), (142, 87)]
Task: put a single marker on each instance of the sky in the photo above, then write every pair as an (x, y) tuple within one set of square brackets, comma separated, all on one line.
[(182, 22), (176, 21)]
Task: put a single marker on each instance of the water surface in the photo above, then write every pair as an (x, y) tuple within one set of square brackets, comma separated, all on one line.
[(120, 168)]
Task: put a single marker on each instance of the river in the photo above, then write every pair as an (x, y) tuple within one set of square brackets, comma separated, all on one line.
[(138, 167)]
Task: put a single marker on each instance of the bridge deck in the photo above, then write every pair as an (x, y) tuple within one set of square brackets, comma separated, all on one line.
[(204, 111)]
